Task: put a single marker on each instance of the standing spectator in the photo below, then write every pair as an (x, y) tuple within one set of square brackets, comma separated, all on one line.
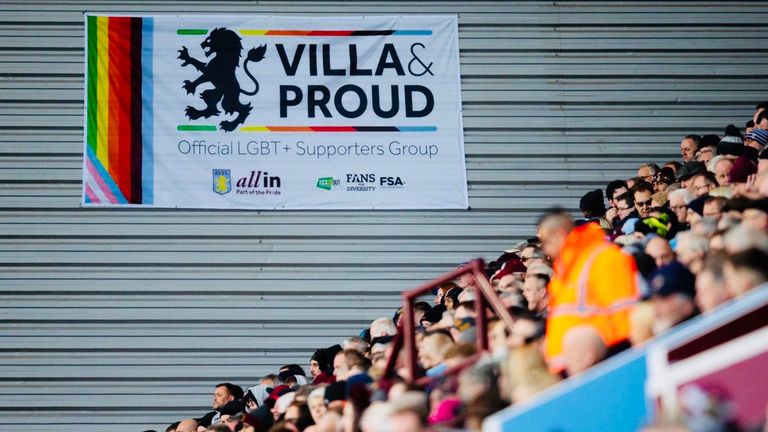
[(594, 283)]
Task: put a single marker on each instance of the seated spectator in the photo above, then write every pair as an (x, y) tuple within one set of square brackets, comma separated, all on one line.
[(321, 365), (383, 327), (710, 283), (351, 366), (745, 270), (187, 425), (689, 145), (612, 191), (688, 171), (525, 374), (593, 208), (641, 194), (713, 207), (535, 293), (678, 202), (691, 249), (659, 249), (583, 348), (703, 183), (625, 211), (672, 293), (646, 171), (432, 352), (222, 394), (359, 344), (755, 214)]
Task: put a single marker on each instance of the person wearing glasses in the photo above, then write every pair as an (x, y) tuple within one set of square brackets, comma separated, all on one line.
[(643, 202)]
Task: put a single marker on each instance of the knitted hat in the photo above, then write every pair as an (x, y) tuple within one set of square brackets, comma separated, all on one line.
[(697, 205), (591, 204), (758, 135), (743, 167), (732, 135)]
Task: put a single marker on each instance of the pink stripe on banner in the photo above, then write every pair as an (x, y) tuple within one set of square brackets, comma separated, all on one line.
[(91, 194), (100, 181)]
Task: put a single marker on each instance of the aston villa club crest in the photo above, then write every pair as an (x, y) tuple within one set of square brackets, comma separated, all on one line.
[(222, 181)]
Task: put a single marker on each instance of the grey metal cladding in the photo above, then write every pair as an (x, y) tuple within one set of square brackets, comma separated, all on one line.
[(122, 320)]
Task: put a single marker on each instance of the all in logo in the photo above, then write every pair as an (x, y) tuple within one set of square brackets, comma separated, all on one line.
[(225, 46), (222, 181), (327, 183)]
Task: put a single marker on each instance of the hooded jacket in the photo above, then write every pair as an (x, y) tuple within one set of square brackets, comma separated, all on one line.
[(594, 283)]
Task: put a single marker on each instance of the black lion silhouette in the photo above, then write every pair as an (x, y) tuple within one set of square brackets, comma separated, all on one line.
[(220, 72)]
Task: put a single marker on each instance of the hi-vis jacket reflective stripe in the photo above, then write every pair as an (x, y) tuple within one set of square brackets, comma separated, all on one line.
[(594, 283)]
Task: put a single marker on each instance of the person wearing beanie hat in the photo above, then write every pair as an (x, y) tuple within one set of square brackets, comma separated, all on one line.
[(758, 139), (732, 135), (321, 364), (452, 298), (743, 167), (709, 140), (592, 205)]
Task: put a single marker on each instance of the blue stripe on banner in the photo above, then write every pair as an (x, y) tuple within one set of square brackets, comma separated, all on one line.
[(147, 126), (106, 177), (413, 33), (417, 128)]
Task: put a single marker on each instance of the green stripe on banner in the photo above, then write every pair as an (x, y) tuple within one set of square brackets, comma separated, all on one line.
[(192, 32), (196, 128), (92, 79)]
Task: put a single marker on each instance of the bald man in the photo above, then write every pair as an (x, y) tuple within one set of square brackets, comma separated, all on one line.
[(659, 249), (187, 425), (583, 348)]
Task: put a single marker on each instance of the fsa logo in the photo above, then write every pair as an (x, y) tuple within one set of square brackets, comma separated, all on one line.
[(396, 182)]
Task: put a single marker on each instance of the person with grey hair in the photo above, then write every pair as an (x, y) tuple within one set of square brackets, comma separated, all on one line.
[(742, 237), (678, 203), (383, 327), (646, 171), (691, 249), (355, 343)]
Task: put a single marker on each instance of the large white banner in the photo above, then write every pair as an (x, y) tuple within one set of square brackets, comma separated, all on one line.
[(274, 112)]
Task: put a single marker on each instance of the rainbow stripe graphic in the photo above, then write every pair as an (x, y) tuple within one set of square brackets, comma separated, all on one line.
[(118, 157), (318, 33), (251, 128)]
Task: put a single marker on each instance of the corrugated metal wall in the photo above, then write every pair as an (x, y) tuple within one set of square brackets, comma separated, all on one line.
[(124, 319)]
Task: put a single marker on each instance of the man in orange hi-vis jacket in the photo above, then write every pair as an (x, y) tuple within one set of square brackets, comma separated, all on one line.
[(594, 283)]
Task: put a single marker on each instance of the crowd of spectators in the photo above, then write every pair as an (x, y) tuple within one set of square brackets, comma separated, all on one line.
[(648, 253)]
